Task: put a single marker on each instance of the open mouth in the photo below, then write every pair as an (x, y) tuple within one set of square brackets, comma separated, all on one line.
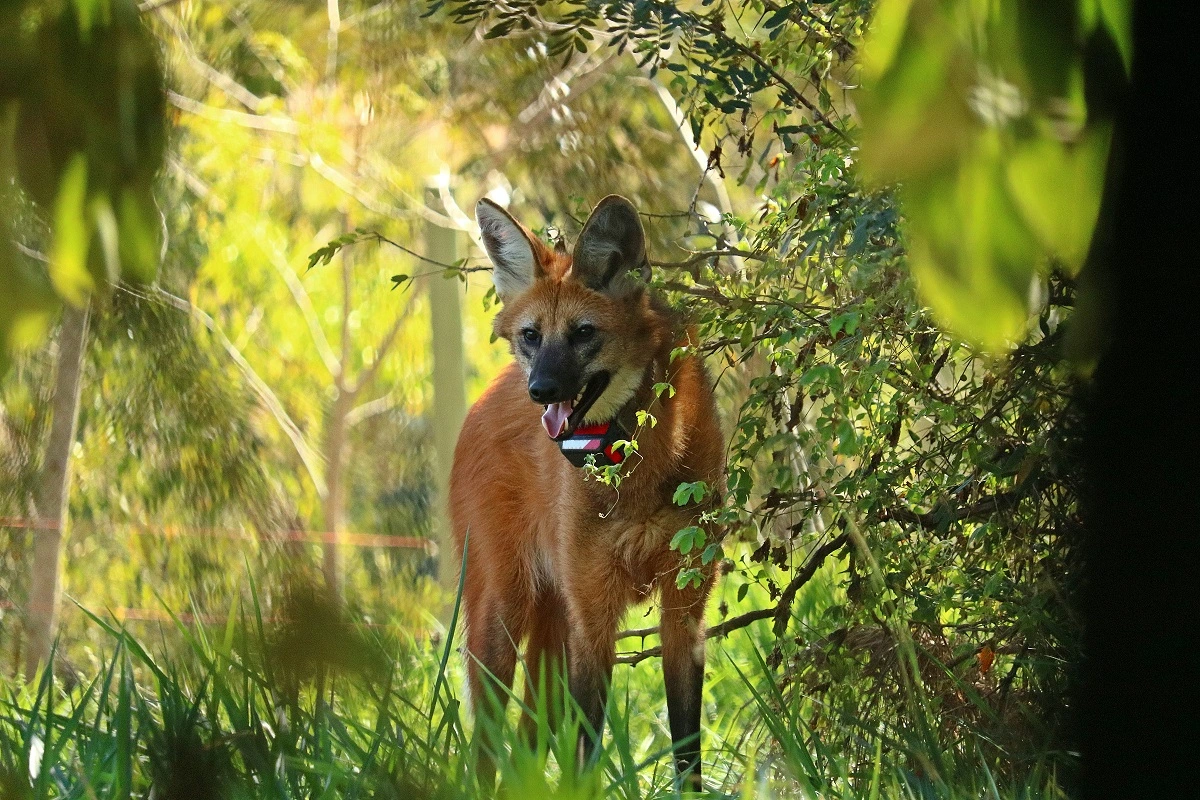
[(561, 419)]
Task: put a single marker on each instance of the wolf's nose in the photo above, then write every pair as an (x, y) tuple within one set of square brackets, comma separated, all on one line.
[(544, 390)]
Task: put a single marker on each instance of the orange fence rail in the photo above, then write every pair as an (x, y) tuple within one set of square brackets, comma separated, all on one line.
[(122, 614), (173, 531)]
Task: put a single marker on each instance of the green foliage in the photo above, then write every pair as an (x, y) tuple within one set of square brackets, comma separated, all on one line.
[(325, 253), (979, 111), (687, 538), (82, 127), (689, 493)]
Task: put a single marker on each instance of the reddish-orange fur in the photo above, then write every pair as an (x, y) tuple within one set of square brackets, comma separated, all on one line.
[(555, 559)]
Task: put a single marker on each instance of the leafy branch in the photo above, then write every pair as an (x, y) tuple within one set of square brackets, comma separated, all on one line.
[(326, 253)]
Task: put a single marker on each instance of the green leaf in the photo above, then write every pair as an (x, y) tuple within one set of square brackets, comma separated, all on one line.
[(140, 235), (915, 115), (124, 739), (626, 447), (847, 438), (887, 31), (72, 234), (686, 493), (970, 249), (88, 11), (1042, 172), (747, 337), (106, 231), (819, 374), (978, 123), (687, 539), (1117, 17), (686, 577), (847, 321)]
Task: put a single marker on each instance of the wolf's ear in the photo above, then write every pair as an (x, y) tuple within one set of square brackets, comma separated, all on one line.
[(508, 245), (611, 245)]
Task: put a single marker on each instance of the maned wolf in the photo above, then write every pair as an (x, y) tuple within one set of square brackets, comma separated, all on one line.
[(554, 558)]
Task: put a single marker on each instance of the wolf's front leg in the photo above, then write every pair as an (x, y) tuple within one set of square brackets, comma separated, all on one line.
[(491, 658), (682, 633), (597, 597), (591, 673)]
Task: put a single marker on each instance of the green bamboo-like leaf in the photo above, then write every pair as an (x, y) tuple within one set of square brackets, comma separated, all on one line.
[(1043, 172), (72, 233), (140, 235)]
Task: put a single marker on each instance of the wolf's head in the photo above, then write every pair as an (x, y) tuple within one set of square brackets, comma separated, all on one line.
[(580, 325)]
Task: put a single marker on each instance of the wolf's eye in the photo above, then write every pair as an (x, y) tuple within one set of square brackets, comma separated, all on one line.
[(530, 336), (584, 332)]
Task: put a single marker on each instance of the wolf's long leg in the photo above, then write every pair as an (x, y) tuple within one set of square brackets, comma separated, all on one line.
[(591, 673), (597, 600), (682, 633), (545, 661), (491, 662)]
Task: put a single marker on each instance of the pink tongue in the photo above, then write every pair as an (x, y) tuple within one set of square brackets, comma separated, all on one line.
[(554, 419)]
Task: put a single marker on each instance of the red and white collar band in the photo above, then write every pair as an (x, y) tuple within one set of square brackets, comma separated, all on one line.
[(594, 440)]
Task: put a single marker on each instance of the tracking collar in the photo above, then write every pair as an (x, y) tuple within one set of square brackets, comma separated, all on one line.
[(597, 439)]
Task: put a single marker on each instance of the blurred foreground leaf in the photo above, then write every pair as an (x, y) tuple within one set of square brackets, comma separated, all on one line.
[(978, 112), (83, 133)]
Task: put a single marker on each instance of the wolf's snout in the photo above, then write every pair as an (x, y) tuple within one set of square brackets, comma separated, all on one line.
[(545, 390)]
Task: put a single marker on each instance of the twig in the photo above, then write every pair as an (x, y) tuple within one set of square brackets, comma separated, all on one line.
[(256, 121), (698, 291), (784, 606), (371, 408), (930, 520), (717, 344), (692, 264), (420, 257), (151, 6), (304, 303), (341, 181), (36, 255), (784, 82), (367, 375), (213, 75)]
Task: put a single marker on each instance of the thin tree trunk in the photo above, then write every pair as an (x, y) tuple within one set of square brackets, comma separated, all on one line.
[(336, 445), (449, 378), (337, 425), (51, 500)]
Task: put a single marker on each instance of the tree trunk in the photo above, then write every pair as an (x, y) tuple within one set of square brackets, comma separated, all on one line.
[(336, 445), (449, 377), (51, 500), (337, 426)]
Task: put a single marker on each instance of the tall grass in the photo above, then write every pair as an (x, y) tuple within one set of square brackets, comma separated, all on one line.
[(317, 707)]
